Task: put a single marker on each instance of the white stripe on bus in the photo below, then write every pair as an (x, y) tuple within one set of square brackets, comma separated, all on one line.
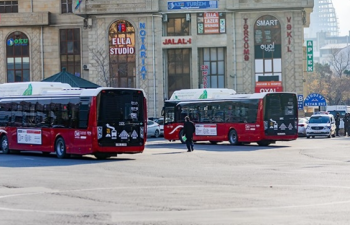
[(180, 126)]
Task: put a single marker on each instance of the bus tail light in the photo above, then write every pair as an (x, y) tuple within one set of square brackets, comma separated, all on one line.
[(141, 132)]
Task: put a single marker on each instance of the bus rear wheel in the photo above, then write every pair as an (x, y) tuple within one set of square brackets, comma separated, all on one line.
[(5, 145), (60, 148), (232, 137)]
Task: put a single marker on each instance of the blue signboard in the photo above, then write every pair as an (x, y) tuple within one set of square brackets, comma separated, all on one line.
[(315, 99), (193, 5), (301, 102)]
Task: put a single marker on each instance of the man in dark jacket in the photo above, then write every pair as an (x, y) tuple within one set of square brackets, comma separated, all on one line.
[(337, 124), (188, 132), (346, 124)]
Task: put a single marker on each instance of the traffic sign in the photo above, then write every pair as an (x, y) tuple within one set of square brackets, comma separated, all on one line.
[(300, 102)]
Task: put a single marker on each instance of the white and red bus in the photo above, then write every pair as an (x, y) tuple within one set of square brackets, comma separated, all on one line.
[(53, 117), (243, 118)]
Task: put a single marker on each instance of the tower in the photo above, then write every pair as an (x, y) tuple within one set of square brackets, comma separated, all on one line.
[(323, 19)]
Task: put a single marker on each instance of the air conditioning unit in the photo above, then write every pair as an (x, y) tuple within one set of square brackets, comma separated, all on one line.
[(89, 22), (165, 17), (188, 17)]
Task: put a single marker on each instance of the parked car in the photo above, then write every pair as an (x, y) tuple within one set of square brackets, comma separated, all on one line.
[(302, 124), (160, 121), (153, 129), (321, 125)]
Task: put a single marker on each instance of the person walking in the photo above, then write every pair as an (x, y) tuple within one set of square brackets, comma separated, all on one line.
[(337, 124), (348, 127), (188, 132), (346, 124)]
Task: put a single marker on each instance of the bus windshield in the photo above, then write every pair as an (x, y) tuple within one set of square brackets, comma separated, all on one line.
[(280, 114), (116, 106)]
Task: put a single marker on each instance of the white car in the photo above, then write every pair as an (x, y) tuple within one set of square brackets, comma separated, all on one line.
[(160, 121), (321, 125), (302, 124), (153, 129)]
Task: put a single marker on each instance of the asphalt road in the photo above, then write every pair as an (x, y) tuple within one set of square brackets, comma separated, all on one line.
[(300, 182)]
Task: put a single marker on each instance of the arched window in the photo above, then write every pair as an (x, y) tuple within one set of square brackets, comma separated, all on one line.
[(268, 53), (122, 58), (17, 57)]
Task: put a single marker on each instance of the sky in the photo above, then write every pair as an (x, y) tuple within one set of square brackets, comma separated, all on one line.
[(342, 10)]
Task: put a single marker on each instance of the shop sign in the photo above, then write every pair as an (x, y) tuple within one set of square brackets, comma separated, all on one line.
[(17, 42), (125, 50), (267, 40), (315, 99), (143, 55), (246, 40), (204, 69), (211, 23), (192, 5), (177, 41), (267, 23), (268, 86), (289, 34), (309, 56)]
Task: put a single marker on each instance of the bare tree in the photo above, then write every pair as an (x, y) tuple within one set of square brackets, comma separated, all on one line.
[(334, 88), (101, 59), (339, 60)]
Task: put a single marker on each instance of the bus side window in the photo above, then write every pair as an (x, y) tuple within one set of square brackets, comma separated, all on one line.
[(84, 109), (5, 114)]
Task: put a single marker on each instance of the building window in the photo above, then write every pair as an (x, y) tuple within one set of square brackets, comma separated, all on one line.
[(178, 70), (178, 26), (122, 58), (17, 57), (70, 50), (8, 6), (66, 6), (212, 67)]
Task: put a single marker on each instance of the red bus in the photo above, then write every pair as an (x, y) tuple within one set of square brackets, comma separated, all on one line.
[(103, 121), (240, 119)]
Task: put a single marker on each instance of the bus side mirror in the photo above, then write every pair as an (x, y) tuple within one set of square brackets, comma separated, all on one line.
[(162, 113)]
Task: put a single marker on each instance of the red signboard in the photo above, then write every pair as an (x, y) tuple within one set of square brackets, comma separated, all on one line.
[(211, 23), (268, 86)]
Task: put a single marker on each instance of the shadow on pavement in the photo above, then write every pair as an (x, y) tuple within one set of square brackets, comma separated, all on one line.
[(206, 146), (37, 159)]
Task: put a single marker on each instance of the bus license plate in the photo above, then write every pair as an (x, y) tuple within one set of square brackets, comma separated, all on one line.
[(120, 144)]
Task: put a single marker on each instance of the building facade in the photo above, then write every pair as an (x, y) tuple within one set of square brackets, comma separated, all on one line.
[(159, 46)]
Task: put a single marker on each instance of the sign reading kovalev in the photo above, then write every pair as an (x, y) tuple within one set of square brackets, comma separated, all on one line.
[(315, 99)]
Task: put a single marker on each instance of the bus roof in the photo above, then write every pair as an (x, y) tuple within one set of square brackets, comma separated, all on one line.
[(206, 93), (49, 89), (32, 88), (237, 96)]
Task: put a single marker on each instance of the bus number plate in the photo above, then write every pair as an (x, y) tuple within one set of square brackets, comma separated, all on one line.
[(120, 144)]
